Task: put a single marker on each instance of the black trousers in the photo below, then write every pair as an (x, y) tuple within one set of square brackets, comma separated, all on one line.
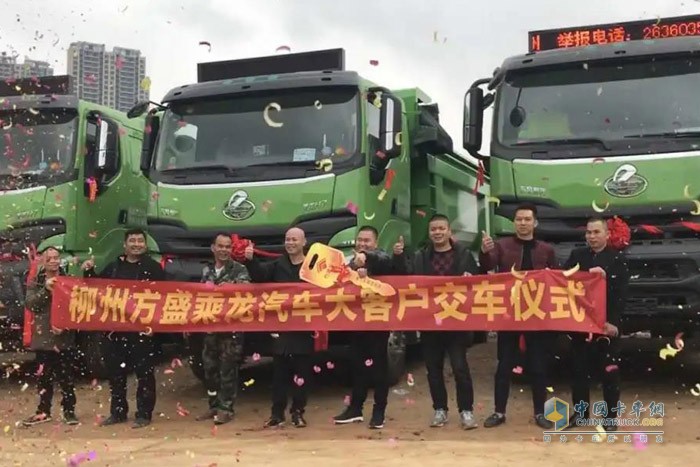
[(364, 346), (130, 351), (453, 343), (286, 371), (590, 359), (57, 368), (536, 364)]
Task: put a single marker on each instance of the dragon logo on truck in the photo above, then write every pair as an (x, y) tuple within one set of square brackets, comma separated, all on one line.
[(239, 207), (625, 182)]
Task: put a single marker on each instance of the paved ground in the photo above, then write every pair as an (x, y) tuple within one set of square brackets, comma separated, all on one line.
[(180, 441)]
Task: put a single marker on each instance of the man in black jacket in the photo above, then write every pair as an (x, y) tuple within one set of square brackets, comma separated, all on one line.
[(292, 351), (602, 353), (443, 257), (368, 349), (124, 350)]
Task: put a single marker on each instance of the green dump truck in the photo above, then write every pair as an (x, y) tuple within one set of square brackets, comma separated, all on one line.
[(260, 145), (605, 120), (69, 177)]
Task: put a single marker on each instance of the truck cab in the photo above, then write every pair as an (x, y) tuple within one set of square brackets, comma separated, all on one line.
[(603, 120), (66, 169), (264, 144)]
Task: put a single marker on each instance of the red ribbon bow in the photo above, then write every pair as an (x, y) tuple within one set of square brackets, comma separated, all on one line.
[(238, 246), (619, 233)]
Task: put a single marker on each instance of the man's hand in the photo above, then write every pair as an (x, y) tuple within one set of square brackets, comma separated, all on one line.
[(487, 243), (56, 331), (249, 251), (50, 283), (398, 246), (362, 272), (610, 330), (88, 264), (598, 270), (360, 260)]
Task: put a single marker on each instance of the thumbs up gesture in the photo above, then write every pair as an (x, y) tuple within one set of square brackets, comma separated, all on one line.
[(398, 246), (249, 251), (486, 242)]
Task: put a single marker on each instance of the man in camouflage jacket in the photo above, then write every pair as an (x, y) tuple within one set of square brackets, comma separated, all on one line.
[(223, 351)]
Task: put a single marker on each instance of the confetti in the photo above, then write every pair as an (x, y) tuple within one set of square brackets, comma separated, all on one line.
[(678, 341), (346, 400), (409, 380), (249, 383), (374, 62), (330, 365), (148, 332), (694, 392), (686, 191), (25, 386), (516, 274), (207, 44), (382, 194), (696, 211), (266, 205), (93, 234), (298, 381), (398, 139), (420, 212), (176, 363), (317, 369), (324, 165), (256, 357), (667, 352), (572, 271), (40, 370), (318, 105), (380, 154), (637, 442), (6, 429), (369, 217), (283, 48), (168, 371), (369, 362), (438, 320), (597, 208), (352, 207), (518, 370), (268, 119), (611, 368), (181, 411), (146, 83)]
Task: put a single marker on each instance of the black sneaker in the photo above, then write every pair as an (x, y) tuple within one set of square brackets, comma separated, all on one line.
[(222, 417), (140, 423), (575, 421), (37, 419), (298, 420), (112, 420), (349, 415), (377, 420), (543, 422), (69, 418), (274, 422), (494, 420)]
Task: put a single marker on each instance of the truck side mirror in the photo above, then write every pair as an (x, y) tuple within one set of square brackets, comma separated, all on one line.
[(101, 144), (150, 136), (473, 119), (139, 109), (390, 126)]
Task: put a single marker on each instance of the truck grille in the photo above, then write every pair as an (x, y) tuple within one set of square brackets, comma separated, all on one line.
[(670, 269)]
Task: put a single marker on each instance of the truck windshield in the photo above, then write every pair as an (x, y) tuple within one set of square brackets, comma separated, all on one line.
[(600, 102), (37, 146), (275, 131)]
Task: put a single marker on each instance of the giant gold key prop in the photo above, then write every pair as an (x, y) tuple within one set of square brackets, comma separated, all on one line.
[(325, 267)]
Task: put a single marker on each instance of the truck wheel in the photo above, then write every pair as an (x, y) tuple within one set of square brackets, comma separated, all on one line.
[(396, 357), (90, 356)]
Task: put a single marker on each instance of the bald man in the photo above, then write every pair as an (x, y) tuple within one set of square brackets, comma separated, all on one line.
[(291, 350)]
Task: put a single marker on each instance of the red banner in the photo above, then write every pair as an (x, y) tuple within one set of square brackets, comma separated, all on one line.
[(540, 300)]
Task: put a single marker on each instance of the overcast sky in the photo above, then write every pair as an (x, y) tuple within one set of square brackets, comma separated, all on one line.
[(473, 36)]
